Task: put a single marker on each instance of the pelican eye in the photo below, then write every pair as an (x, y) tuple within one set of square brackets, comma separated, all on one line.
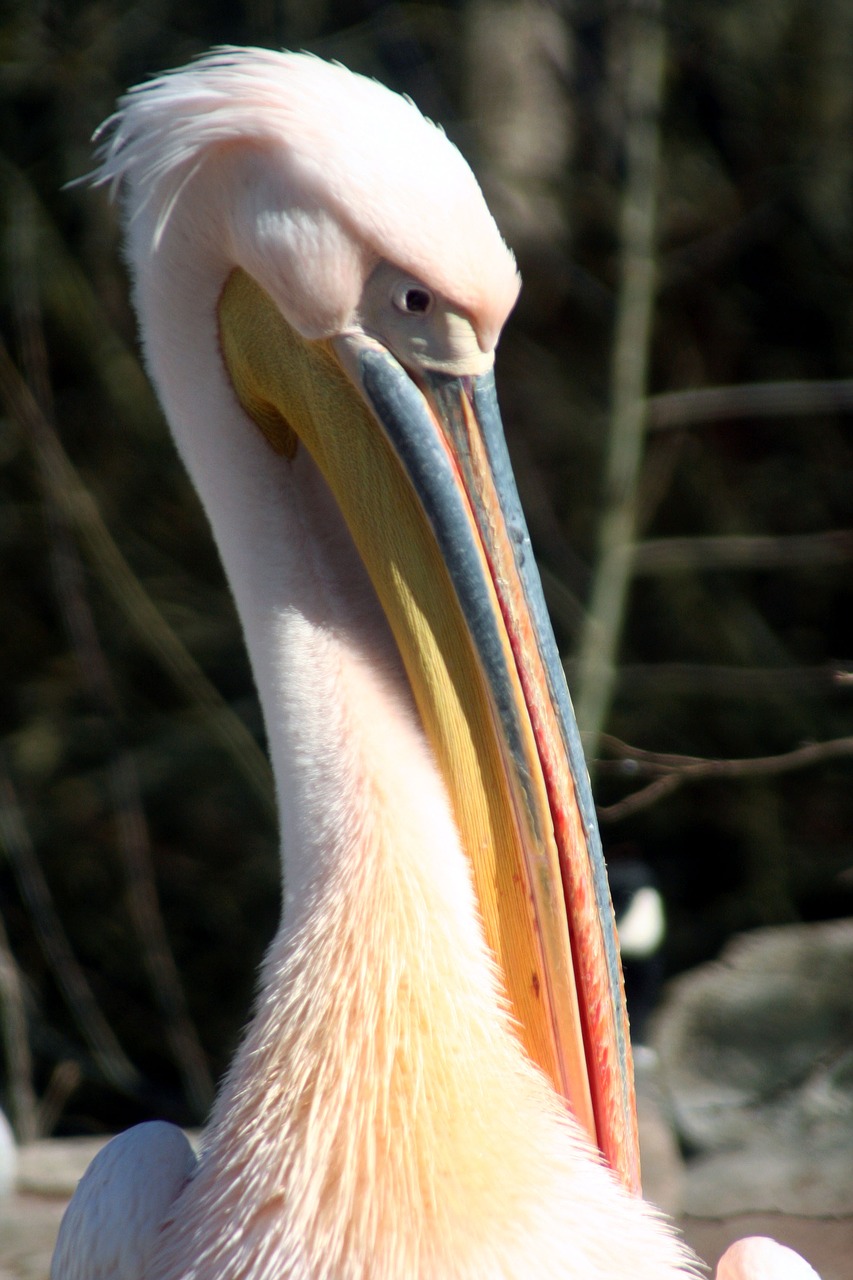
[(413, 299)]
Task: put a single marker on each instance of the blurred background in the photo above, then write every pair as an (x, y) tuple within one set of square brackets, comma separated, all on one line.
[(677, 185)]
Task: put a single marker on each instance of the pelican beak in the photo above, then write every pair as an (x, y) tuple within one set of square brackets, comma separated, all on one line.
[(419, 467)]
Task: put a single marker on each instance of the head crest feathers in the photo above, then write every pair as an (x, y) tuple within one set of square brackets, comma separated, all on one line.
[(389, 176)]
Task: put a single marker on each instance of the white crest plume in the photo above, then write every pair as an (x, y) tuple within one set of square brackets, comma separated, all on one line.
[(365, 154)]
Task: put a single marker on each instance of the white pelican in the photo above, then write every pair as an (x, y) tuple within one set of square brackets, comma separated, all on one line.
[(320, 288)]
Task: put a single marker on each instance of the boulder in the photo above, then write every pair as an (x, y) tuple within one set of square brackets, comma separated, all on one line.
[(755, 1055)]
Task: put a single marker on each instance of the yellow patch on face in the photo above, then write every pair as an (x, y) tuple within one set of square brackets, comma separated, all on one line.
[(275, 428)]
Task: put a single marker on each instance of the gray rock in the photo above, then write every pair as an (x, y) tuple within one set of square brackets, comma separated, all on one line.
[(8, 1158), (756, 1059), (660, 1159)]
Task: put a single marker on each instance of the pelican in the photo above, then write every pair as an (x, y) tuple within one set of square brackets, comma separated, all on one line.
[(438, 1052)]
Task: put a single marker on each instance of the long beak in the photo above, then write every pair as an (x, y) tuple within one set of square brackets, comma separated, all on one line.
[(424, 481)]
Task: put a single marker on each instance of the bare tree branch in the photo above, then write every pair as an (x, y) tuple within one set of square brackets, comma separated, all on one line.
[(644, 37), (673, 409), (13, 1030), (134, 602), (72, 982), (75, 306), (672, 771), (743, 552), (723, 680), (133, 841)]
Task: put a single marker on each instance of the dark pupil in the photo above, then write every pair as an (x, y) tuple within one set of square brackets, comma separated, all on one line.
[(417, 300)]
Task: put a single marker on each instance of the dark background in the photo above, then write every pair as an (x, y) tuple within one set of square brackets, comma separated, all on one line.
[(139, 873)]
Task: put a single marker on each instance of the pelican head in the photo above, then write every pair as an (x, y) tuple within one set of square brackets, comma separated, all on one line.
[(439, 1050)]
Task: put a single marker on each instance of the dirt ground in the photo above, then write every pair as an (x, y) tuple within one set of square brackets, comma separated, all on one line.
[(827, 1243), (30, 1220), (28, 1227)]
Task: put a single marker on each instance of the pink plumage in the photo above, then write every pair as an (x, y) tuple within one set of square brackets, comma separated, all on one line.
[(381, 1120)]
